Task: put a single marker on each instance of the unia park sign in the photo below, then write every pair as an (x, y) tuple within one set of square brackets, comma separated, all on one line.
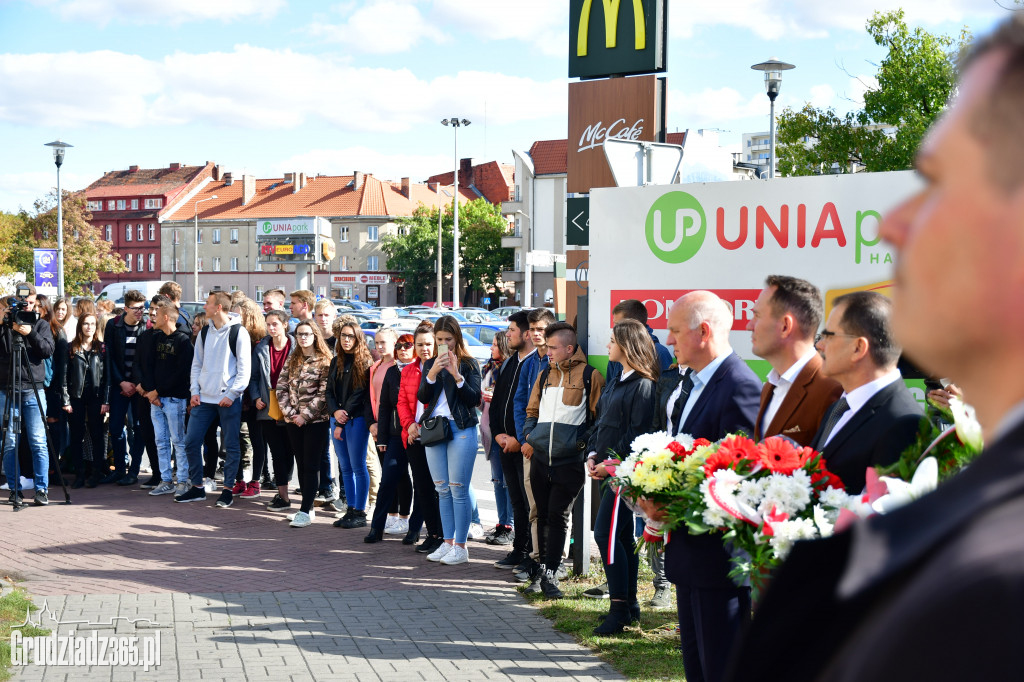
[(655, 243)]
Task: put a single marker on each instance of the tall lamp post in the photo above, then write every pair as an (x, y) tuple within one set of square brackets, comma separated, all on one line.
[(528, 265), (58, 159), (195, 255), (455, 123), (773, 69)]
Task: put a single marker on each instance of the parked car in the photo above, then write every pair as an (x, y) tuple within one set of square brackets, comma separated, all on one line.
[(192, 308), (484, 333), (504, 312), (479, 315), (481, 352)]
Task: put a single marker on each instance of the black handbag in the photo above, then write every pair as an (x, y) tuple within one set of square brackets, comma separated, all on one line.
[(435, 430)]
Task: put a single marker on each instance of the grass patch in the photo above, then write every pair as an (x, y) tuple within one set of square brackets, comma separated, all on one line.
[(646, 651), (13, 607)]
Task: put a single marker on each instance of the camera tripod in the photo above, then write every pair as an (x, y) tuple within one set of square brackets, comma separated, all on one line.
[(19, 368)]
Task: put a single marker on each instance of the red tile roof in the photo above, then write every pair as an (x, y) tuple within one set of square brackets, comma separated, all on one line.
[(145, 181), (675, 138), (492, 180), (550, 157)]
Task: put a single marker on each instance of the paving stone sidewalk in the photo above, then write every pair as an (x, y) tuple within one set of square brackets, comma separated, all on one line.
[(235, 594)]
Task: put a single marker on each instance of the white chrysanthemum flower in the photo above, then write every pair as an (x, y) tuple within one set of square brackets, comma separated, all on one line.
[(824, 520), (834, 498), (751, 492), (788, 494), (650, 441), (686, 440), (788, 532)]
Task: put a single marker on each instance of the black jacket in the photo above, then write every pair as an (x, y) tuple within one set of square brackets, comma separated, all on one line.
[(667, 383), (259, 378), (39, 344), (168, 364), (461, 401), (343, 395), (142, 365), (623, 413), (388, 424), (501, 416), (114, 336), (59, 364), (73, 379)]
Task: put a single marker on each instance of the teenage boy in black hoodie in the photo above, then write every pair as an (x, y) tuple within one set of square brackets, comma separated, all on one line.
[(165, 383)]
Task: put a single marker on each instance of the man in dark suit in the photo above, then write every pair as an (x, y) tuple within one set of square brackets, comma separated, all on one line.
[(785, 318), (717, 395), (876, 418), (931, 591)]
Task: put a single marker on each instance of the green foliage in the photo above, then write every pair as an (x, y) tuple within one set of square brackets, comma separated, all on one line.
[(15, 243), (414, 254), (915, 80)]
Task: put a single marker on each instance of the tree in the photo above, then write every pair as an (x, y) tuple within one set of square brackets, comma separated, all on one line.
[(86, 253), (414, 254), (915, 80)]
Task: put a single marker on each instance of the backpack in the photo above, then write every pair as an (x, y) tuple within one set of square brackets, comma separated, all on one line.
[(48, 366), (232, 337)]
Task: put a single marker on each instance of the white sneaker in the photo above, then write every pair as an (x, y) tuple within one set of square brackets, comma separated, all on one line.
[(182, 488), (399, 527), (301, 519), (291, 517), (389, 524), (210, 485), (440, 552), (165, 488), (476, 532), (457, 555)]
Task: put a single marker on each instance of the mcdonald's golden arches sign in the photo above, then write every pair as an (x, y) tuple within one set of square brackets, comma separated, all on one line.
[(613, 37)]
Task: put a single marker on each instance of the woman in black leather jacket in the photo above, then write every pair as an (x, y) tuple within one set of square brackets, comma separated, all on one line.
[(84, 397)]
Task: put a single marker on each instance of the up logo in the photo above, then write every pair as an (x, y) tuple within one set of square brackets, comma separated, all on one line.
[(676, 227), (267, 227)]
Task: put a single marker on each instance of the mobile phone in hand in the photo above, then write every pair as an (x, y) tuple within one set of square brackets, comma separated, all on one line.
[(442, 349)]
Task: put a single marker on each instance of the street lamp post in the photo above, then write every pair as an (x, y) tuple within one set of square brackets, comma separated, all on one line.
[(195, 255), (58, 159), (455, 123), (773, 69), (528, 265)]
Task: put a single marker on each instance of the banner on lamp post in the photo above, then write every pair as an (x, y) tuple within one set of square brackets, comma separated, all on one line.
[(45, 262)]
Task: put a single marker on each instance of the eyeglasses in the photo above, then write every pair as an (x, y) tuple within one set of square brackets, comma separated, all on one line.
[(828, 335), (136, 308), (350, 337), (304, 335), (403, 345)]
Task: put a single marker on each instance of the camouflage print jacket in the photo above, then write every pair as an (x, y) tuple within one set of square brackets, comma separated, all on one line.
[(304, 394)]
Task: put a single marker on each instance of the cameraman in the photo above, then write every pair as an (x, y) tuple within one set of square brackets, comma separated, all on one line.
[(39, 344)]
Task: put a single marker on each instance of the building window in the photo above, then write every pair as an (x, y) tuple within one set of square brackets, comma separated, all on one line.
[(344, 262), (110, 205), (108, 233), (135, 204), (216, 235), (140, 232), (200, 264), (142, 260), (120, 204), (128, 262), (371, 263), (127, 233), (152, 262), (259, 266), (259, 293), (216, 263), (234, 287), (402, 230), (234, 264), (234, 235), (152, 232), (344, 234), (154, 203), (176, 237), (372, 233), (321, 291), (199, 236), (96, 205), (517, 261)]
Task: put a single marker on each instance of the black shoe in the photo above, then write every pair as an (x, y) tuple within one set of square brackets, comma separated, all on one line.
[(265, 482), (112, 477), (196, 493), (411, 538), (18, 495), (356, 520), (599, 592), (79, 483), (662, 599), (128, 480), (549, 585), (225, 499), (153, 482), (91, 482), (511, 560), (278, 504), (634, 611), (429, 545), (617, 619), (524, 571), (41, 500), (343, 519), (534, 586), (373, 536)]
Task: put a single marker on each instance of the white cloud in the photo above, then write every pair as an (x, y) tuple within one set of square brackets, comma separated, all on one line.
[(712, 106), (256, 88), (542, 23), (23, 188), (173, 12), (345, 161), (822, 95), (381, 27), (858, 86)]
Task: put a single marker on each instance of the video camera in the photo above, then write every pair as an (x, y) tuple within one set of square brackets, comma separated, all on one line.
[(17, 310)]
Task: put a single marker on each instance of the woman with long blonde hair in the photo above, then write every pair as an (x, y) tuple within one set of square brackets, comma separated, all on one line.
[(348, 401)]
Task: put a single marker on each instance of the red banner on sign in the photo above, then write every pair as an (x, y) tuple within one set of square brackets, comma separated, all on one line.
[(659, 302)]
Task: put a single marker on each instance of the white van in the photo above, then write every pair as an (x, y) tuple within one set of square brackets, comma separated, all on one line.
[(115, 291)]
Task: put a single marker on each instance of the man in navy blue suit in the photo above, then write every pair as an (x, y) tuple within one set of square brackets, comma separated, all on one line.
[(718, 394)]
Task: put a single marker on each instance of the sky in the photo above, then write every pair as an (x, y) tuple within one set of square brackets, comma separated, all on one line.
[(265, 87)]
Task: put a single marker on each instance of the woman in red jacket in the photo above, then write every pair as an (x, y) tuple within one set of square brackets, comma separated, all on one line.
[(410, 411)]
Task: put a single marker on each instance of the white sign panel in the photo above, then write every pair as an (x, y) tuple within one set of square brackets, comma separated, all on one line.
[(360, 279), (291, 227), (656, 243)]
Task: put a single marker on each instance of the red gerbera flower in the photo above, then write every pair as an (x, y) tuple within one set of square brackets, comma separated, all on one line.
[(716, 461), (781, 456), (740, 448), (823, 478)]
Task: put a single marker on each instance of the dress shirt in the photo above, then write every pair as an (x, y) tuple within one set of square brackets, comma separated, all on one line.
[(782, 383), (442, 409), (857, 398)]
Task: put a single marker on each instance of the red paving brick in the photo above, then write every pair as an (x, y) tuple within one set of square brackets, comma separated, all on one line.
[(113, 540)]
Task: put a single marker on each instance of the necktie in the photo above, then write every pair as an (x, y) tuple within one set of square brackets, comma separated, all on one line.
[(838, 410), (677, 410)]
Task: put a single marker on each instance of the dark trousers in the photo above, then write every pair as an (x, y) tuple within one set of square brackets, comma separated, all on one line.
[(124, 408), (142, 406), (211, 450), (401, 504), (276, 437), (622, 573), (512, 468), (259, 446), (85, 414), (554, 490), (424, 492), (709, 622), (307, 444), (394, 470)]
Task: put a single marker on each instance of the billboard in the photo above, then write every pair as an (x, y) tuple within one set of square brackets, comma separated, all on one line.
[(609, 38), (656, 243), (270, 228)]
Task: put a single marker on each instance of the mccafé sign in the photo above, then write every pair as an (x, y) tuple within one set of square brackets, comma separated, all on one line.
[(617, 37)]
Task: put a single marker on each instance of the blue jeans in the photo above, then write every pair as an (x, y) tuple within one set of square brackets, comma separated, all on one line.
[(199, 421), (35, 428), (501, 497), (120, 408), (451, 467), (169, 431), (351, 450)]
